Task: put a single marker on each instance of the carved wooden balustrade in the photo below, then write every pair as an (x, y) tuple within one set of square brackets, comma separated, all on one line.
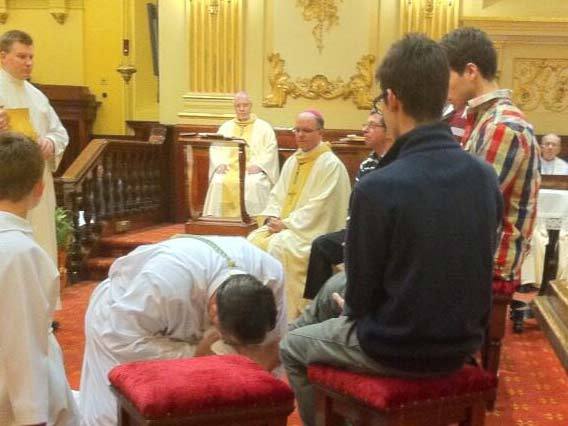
[(112, 186)]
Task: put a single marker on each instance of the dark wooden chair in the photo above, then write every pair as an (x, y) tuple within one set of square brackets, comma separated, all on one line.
[(213, 390)]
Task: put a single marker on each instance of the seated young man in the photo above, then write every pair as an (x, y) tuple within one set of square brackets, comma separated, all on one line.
[(33, 386), (161, 301), (419, 245), (327, 249)]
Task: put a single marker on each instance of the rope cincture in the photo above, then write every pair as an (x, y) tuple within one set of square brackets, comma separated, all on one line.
[(230, 262)]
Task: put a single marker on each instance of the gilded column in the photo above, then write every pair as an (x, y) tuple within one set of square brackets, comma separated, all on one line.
[(215, 30), (432, 17)]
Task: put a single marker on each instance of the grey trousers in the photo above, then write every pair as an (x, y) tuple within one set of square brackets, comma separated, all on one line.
[(321, 335), (322, 307), (332, 342)]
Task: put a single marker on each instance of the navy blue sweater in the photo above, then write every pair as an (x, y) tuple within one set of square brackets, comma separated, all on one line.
[(419, 252)]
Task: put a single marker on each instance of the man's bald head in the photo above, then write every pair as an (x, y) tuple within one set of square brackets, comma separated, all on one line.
[(243, 106), (308, 130)]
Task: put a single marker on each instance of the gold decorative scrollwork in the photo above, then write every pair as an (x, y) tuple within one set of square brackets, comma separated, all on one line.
[(3, 12), (541, 82), (319, 86), (324, 13)]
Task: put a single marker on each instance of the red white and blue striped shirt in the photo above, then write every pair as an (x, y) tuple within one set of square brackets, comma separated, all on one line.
[(498, 132)]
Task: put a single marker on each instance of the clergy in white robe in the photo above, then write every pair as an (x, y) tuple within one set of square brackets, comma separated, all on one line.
[(16, 56), (154, 305), (310, 199), (222, 199)]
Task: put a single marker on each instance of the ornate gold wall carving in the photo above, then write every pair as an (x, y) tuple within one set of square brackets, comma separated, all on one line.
[(324, 13), (58, 9), (3, 12), (539, 82), (215, 51), (432, 17), (319, 86)]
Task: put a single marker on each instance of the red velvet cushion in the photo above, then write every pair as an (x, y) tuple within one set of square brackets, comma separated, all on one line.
[(505, 288), (182, 387), (383, 393)]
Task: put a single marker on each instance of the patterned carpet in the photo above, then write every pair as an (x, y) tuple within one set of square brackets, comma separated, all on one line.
[(533, 389)]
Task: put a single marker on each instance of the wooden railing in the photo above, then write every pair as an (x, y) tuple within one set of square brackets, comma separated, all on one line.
[(112, 186)]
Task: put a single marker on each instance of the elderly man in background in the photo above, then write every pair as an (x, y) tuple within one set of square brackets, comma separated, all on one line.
[(24, 109), (310, 199), (550, 164), (222, 198)]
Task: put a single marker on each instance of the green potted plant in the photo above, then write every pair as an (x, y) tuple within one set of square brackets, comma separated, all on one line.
[(64, 236)]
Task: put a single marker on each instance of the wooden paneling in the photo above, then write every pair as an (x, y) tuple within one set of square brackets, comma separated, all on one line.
[(77, 109)]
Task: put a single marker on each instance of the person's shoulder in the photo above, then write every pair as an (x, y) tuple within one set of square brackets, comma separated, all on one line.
[(36, 91), (263, 124), (17, 247), (508, 117)]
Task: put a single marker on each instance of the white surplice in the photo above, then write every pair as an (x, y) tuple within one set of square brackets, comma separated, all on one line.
[(554, 167), (33, 385), (154, 306), (321, 208), (262, 151), (16, 93)]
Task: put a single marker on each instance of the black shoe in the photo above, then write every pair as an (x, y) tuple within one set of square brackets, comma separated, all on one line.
[(527, 288), (55, 325)]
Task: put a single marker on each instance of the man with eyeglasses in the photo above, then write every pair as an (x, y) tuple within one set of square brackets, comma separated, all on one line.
[(309, 199), (161, 301), (327, 249), (550, 163)]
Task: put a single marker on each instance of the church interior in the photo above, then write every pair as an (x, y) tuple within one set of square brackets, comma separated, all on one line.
[(142, 87)]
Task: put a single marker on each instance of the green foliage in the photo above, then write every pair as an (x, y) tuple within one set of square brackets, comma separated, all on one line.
[(63, 228)]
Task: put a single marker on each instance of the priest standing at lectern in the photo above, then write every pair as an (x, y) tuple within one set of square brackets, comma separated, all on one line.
[(222, 198), (24, 109), (310, 199)]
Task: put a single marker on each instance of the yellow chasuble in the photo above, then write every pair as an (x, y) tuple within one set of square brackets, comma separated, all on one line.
[(230, 207), (306, 161)]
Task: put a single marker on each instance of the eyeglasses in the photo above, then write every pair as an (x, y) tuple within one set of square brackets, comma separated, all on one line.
[(373, 125), (298, 130), (550, 144)]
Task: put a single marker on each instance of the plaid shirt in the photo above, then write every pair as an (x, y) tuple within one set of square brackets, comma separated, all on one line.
[(497, 131)]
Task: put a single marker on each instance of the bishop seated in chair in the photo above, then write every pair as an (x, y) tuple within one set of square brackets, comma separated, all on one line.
[(310, 199)]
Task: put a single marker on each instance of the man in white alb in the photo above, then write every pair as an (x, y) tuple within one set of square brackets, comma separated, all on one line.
[(25, 109), (222, 198), (160, 300)]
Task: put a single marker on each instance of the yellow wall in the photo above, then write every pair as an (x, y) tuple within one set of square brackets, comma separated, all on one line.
[(102, 48), (86, 50), (516, 8), (145, 83), (58, 48)]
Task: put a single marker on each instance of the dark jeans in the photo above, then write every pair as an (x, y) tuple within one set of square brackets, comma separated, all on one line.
[(327, 250)]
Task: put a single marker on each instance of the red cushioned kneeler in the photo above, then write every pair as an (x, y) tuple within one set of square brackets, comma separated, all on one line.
[(213, 390), (366, 399)]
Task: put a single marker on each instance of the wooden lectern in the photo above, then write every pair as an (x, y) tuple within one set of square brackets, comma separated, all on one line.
[(197, 159)]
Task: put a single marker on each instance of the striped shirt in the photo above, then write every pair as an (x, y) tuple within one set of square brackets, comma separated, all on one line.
[(498, 132)]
